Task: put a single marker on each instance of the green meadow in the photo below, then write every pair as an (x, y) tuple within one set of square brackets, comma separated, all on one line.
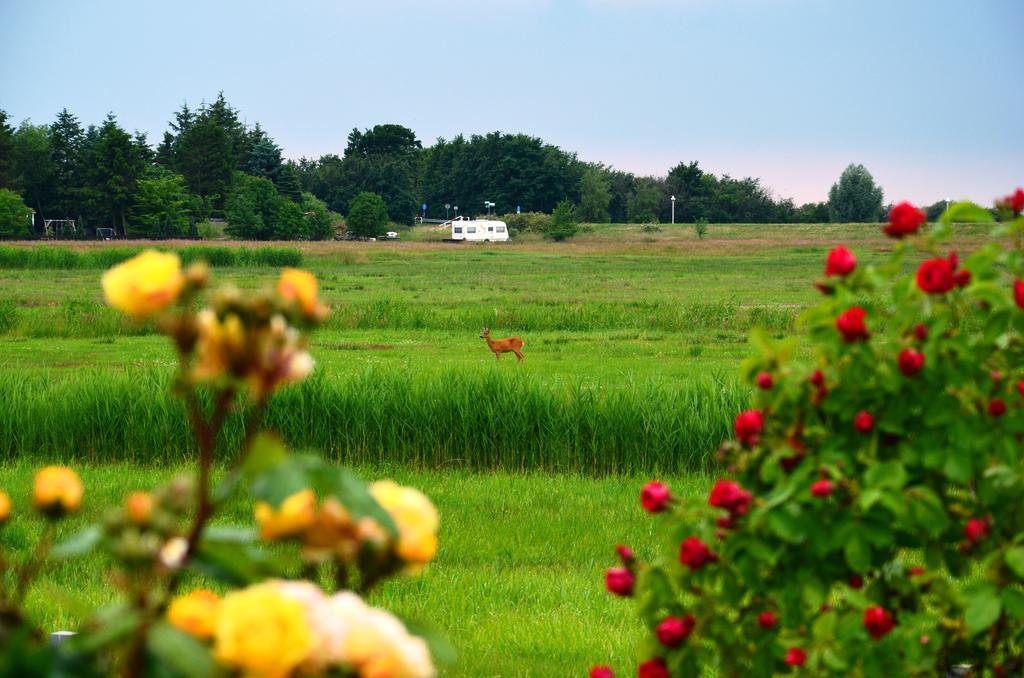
[(633, 339)]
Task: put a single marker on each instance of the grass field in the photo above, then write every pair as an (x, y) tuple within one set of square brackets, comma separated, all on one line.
[(633, 340)]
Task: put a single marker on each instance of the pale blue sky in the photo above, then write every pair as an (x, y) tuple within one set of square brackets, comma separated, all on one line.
[(926, 93)]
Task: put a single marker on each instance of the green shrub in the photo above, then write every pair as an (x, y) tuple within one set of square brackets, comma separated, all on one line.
[(15, 216), (563, 222)]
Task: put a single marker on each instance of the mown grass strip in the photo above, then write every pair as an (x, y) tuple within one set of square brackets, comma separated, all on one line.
[(476, 419)]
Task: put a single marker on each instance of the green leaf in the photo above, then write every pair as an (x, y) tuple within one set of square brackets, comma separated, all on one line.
[(441, 649), (1015, 560), (78, 544), (180, 652), (1013, 602), (784, 523), (234, 563), (352, 492), (967, 212), (983, 608), (957, 466), (857, 552), (266, 450), (890, 474), (276, 483)]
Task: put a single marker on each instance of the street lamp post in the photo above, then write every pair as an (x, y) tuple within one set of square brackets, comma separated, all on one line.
[(673, 209), (456, 208), (488, 204), (447, 207)]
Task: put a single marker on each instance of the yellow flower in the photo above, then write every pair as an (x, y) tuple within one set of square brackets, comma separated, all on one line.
[(218, 344), (145, 284), (57, 490), (5, 507), (300, 287), (139, 507), (292, 518), (414, 516), (195, 613), (262, 632), (376, 644)]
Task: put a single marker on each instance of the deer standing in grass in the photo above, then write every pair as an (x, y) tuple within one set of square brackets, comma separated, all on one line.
[(499, 346)]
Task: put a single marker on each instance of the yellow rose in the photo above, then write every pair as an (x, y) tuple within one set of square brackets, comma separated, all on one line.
[(414, 516), (145, 284), (376, 644), (57, 490), (139, 507), (195, 613), (301, 287), (292, 518), (5, 507), (262, 632)]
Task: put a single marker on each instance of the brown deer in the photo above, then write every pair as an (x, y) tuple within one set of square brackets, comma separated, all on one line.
[(499, 346)]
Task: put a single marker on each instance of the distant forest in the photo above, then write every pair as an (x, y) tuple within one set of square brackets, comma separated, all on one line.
[(210, 164)]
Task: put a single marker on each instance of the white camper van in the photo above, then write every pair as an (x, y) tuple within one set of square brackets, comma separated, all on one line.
[(485, 230)]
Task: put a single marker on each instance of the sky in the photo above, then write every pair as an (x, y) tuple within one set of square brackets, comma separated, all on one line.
[(927, 94)]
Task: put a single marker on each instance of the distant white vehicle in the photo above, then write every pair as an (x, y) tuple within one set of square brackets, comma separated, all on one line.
[(392, 235), (483, 230)]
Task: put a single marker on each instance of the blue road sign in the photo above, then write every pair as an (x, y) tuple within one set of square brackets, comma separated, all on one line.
[(517, 209), (423, 207)]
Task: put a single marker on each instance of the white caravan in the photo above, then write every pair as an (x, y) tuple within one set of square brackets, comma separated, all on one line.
[(485, 230)]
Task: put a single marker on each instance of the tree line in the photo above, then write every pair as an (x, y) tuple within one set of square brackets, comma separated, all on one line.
[(210, 164)]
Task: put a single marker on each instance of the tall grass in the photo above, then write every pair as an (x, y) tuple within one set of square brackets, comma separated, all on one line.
[(476, 420), (63, 258)]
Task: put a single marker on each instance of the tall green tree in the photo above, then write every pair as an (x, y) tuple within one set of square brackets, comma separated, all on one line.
[(66, 139), (595, 196), (264, 159), (204, 159), (15, 215), (287, 183), (161, 207), (367, 215), (855, 197), (256, 211), (386, 160), (8, 176), (317, 220), (563, 222), (35, 168), (115, 166), (643, 203)]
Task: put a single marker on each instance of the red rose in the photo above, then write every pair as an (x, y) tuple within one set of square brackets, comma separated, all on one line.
[(653, 668), (962, 278), (818, 378), (864, 421), (840, 262), (795, 656), (975, 530), (997, 407), (601, 672), (672, 631), (1020, 388), (765, 381), (767, 620), (748, 426), (851, 325), (731, 497), (1018, 293), (694, 553), (855, 581), (915, 571), (822, 488), (911, 361), (654, 497), (904, 219), (1016, 201), (935, 276), (878, 622), (921, 331), (625, 554), (620, 581)]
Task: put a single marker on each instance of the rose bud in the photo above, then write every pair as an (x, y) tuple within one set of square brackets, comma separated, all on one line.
[(921, 331), (851, 325), (855, 581), (654, 497), (625, 554), (904, 219), (748, 426), (975, 530), (935, 276), (694, 553), (730, 496), (825, 288), (864, 421), (619, 581), (672, 631), (767, 620), (840, 262), (817, 378), (1016, 201), (765, 381), (795, 656), (915, 571), (910, 361), (601, 672), (878, 622), (653, 668), (962, 278), (822, 488), (997, 407), (1020, 388), (1018, 293)]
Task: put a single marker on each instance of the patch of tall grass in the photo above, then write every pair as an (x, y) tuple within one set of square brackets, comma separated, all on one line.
[(478, 419), (63, 258)]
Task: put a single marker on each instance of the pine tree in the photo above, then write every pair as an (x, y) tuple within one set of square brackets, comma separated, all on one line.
[(288, 183), (66, 139), (264, 159), (115, 168), (7, 172), (204, 159)]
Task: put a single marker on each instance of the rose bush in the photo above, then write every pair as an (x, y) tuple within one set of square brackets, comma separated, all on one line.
[(325, 523), (873, 521)]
